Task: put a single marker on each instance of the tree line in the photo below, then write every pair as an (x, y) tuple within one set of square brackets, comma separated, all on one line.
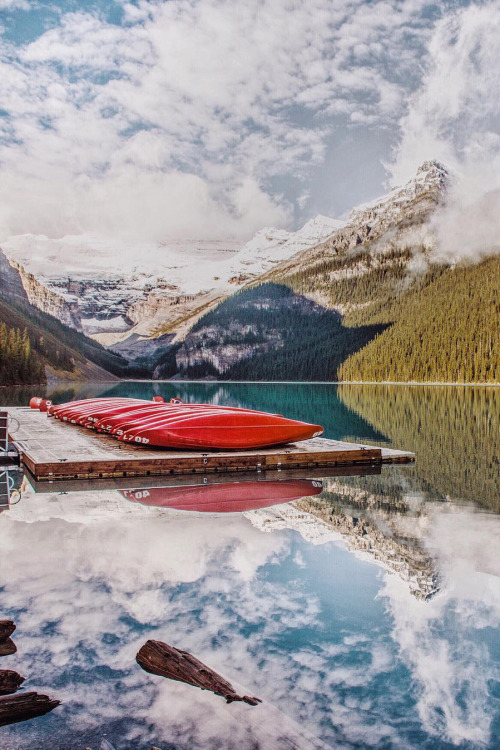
[(18, 362)]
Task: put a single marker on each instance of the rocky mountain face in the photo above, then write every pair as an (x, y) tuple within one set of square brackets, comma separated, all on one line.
[(376, 235), (374, 256), (61, 353), (127, 295), (11, 286), (396, 216), (389, 534), (48, 300)]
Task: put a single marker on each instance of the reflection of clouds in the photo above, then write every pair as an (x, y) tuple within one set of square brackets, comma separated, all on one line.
[(90, 583), (441, 639), (83, 591)]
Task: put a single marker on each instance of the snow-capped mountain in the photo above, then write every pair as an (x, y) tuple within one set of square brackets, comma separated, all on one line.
[(126, 295), (379, 249), (116, 291), (399, 217)]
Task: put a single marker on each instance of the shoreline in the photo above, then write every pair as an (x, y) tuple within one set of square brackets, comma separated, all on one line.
[(255, 382), (319, 382)]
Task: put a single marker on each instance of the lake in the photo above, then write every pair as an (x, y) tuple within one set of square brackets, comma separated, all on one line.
[(364, 615)]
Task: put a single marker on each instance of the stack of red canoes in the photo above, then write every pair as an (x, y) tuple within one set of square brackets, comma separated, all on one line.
[(178, 425)]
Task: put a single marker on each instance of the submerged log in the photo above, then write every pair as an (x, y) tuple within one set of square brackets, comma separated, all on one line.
[(7, 647), (164, 660), (10, 681), (7, 627), (24, 706)]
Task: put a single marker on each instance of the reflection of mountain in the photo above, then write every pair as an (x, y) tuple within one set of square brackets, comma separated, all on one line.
[(282, 517), (453, 431), (387, 530)]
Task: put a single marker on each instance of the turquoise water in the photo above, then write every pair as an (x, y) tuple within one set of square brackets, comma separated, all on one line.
[(367, 616)]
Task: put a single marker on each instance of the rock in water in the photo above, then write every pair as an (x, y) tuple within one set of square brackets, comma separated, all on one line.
[(10, 681), (7, 647), (7, 627), (15, 708), (164, 660)]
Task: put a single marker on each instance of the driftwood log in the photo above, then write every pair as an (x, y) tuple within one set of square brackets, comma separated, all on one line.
[(7, 627), (164, 660), (14, 708), (7, 647), (10, 681)]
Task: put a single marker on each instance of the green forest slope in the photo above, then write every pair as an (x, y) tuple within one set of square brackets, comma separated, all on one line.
[(445, 327), (442, 324), (32, 342)]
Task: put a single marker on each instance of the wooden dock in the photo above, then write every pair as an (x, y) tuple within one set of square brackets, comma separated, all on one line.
[(54, 450)]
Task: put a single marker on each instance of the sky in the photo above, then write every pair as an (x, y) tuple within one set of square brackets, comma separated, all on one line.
[(213, 119)]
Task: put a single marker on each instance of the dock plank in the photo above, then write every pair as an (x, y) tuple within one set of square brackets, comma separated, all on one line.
[(55, 450)]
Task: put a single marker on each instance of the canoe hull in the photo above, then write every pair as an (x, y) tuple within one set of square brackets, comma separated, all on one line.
[(185, 426)]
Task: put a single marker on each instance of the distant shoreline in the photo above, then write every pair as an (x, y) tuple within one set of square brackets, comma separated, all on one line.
[(252, 382), (315, 382)]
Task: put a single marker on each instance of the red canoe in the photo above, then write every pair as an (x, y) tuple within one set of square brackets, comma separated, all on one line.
[(78, 409), (128, 420), (224, 430), (178, 425), (233, 497)]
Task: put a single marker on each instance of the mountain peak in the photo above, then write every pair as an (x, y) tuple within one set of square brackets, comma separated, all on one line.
[(432, 165)]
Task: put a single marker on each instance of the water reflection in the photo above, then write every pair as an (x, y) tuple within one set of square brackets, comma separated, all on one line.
[(232, 497), (341, 651), (318, 605), (455, 433)]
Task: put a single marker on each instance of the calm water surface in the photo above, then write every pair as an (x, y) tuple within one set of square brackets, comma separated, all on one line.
[(365, 615)]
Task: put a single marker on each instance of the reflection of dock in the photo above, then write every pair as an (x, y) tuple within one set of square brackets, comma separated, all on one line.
[(53, 450)]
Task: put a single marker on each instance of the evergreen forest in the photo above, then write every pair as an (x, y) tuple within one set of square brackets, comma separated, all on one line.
[(439, 325)]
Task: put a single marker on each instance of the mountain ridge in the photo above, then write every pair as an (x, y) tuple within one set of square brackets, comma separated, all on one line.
[(372, 272), (36, 347), (327, 301), (171, 284)]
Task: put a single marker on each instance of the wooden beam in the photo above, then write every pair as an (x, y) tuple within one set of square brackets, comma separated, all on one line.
[(24, 706), (167, 661)]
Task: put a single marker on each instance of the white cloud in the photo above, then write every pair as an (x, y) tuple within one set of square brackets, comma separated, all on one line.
[(455, 117), (177, 121), (450, 664), (14, 5)]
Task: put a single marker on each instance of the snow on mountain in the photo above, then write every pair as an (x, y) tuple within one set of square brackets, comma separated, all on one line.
[(431, 177), (399, 217), (126, 294), (113, 287)]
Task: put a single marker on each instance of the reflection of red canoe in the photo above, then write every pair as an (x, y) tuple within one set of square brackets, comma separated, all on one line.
[(233, 497)]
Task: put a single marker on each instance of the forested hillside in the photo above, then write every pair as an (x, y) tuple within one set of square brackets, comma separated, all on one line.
[(269, 333), (440, 324), (461, 460), (445, 327), (51, 344), (371, 303), (32, 341), (18, 362)]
